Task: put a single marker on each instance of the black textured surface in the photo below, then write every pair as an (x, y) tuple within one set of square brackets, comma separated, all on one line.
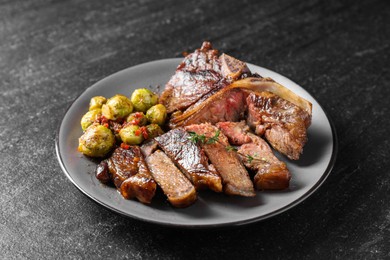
[(51, 51)]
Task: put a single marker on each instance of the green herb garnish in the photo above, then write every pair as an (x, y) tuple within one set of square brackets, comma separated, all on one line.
[(249, 158), (195, 138), (214, 139), (230, 148)]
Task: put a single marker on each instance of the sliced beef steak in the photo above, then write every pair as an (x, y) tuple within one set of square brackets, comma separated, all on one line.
[(196, 75), (179, 190), (234, 176), (148, 148), (225, 105), (190, 158), (236, 132), (205, 58), (255, 153), (185, 88), (231, 68), (130, 174), (200, 73), (282, 123)]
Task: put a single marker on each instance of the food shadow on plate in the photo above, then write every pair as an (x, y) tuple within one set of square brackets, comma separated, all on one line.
[(199, 209), (231, 201)]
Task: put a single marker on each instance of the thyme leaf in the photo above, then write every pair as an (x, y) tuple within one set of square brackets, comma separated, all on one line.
[(195, 138), (214, 139), (230, 148)]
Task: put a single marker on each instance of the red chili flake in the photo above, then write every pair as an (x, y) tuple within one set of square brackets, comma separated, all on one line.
[(138, 115), (125, 146), (104, 120), (137, 132), (105, 125), (144, 131), (135, 122)]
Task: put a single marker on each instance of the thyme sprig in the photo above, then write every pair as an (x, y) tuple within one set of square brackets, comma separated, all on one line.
[(214, 139), (196, 138), (249, 158), (230, 148), (255, 158)]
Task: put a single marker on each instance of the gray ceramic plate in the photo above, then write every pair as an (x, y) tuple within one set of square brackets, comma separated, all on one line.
[(211, 209)]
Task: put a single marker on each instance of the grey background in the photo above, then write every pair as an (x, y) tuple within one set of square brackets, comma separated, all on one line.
[(51, 51)]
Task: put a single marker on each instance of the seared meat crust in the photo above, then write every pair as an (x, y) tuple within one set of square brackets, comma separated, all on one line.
[(255, 153), (283, 123), (234, 176), (190, 158), (179, 190), (130, 174)]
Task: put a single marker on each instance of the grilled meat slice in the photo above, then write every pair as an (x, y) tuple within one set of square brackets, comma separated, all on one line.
[(102, 172), (225, 105), (148, 148), (185, 88), (231, 68), (205, 58), (130, 174), (179, 190), (236, 132), (196, 75), (190, 158), (283, 123), (255, 153), (234, 176), (271, 174)]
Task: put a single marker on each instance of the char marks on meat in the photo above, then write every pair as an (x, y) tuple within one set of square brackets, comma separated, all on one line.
[(130, 174), (255, 153), (198, 74), (282, 123), (231, 68), (190, 158), (179, 190), (234, 176)]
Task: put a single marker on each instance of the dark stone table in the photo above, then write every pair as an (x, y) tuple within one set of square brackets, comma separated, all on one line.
[(51, 51)]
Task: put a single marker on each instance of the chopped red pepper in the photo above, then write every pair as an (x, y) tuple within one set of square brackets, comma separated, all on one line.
[(125, 146), (137, 132), (105, 125), (144, 131), (135, 122), (138, 115), (104, 119)]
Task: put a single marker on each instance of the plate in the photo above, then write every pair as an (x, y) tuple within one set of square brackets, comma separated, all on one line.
[(211, 209)]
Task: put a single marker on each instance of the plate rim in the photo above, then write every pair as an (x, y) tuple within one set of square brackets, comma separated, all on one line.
[(292, 204)]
